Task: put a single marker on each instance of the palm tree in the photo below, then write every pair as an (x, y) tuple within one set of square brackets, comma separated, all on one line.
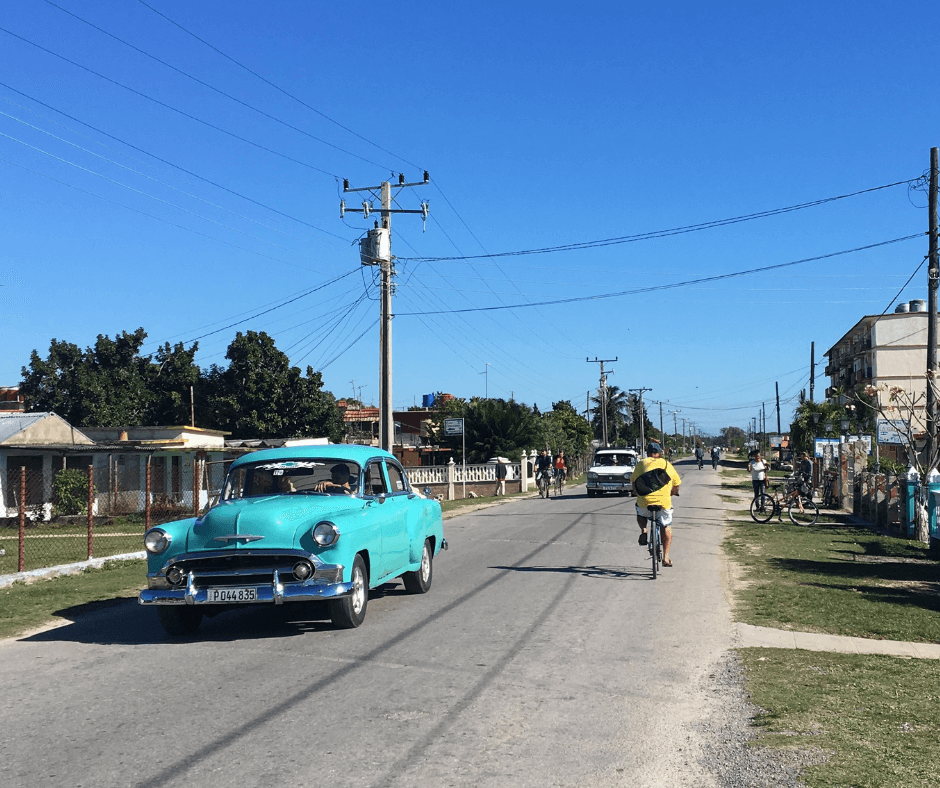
[(616, 408)]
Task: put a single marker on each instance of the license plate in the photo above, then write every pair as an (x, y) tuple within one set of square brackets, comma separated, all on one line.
[(220, 595), (610, 486)]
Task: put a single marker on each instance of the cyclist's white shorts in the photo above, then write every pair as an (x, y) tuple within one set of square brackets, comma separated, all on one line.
[(665, 515)]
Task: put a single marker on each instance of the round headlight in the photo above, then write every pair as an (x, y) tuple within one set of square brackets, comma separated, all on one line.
[(592, 475), (156, 540), (628, 474), (325, 534)]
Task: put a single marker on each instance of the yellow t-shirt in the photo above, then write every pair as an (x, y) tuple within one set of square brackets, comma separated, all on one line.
[(663, 496)]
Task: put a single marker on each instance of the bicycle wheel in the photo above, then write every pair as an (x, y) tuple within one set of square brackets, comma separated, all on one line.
[(809, 513), (762, 508), (655, 549)]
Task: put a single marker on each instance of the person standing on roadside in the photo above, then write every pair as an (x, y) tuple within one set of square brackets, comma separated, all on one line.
[(758, 469)]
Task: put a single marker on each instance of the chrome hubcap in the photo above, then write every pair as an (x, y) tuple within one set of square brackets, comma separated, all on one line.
[(425, 564), (358, 594)]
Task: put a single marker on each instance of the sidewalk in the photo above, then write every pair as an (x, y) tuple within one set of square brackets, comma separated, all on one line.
[(749, 636)]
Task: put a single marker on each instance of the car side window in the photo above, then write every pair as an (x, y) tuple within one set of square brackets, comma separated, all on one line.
[(396, 478), (375, 481)]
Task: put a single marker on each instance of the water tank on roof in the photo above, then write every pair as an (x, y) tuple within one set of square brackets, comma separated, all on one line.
[(427, 400), (902, 308), (918, 305)]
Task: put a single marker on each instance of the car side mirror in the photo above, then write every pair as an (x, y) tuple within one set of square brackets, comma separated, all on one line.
[(381, 498)]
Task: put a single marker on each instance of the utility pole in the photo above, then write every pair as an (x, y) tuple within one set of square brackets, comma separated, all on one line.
[(812, 369), (642, 420), (675, 429), (376, 249), (933, 277), (778, 409), (662, 435), (603, 392)]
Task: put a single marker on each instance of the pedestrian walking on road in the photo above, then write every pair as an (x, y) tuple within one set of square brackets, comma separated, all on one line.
[(500, 477)]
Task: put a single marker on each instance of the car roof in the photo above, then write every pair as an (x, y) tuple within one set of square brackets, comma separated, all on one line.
[(333, 451)]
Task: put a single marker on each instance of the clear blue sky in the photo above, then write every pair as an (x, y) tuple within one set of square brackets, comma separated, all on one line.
[(541, 125)]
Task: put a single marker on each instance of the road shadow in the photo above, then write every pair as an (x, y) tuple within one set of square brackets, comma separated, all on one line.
[(597, 572), (124, 622)]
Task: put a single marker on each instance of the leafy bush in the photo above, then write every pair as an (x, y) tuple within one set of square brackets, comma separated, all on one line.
[(70, 492), (887, 465)]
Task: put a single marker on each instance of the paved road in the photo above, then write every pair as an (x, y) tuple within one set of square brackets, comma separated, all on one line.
[(544, 655)]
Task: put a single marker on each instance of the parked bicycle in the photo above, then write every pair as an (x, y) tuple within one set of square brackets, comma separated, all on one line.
[(801, 508), (829, 498)]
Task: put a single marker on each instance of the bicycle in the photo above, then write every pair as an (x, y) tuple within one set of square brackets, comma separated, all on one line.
[(801, 508), (655, 538), (545, 484), (559, 482), (700, 463), (829, 497)]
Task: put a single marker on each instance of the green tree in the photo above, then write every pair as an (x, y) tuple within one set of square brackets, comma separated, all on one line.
[(107, 385), (564, 428), (617, 402), (733, 437), (259, 395), (171, 375), (493, 427)]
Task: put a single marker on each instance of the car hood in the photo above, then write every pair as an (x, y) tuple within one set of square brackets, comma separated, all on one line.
[(267, 522)]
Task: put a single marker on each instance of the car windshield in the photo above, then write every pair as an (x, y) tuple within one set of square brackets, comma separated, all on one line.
[(615, 459), (289, 477)]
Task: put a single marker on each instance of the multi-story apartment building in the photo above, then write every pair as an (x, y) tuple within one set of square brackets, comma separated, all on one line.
[(884, 349)]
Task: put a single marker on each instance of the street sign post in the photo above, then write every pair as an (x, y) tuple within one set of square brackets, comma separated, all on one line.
[(455, 427)]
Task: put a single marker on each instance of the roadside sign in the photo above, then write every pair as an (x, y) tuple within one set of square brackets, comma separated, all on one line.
[(892, 431), (776, 441), (453, 426), (819, 444)]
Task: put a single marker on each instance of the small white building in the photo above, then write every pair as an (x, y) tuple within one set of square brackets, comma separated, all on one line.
[(44, 443)]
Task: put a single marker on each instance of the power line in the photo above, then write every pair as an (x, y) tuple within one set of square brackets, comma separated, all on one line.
[(171, 164), (674, 285), (170, 107), (276, 87), (662, 233), (212, 87)]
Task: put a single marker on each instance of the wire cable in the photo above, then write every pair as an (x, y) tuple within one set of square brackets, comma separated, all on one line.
[(664, 233)]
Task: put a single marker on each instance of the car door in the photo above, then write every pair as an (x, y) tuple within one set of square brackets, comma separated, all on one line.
[(387, 514)]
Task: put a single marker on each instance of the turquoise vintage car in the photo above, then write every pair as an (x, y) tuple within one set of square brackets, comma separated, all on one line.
[(296, 525)]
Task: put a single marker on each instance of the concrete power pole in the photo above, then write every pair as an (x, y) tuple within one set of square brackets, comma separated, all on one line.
[(603, 393), (642, 420), (933, 278), (376, 249)]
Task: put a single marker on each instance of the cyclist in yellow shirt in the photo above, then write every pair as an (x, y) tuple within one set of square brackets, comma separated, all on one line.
[(663, 482)]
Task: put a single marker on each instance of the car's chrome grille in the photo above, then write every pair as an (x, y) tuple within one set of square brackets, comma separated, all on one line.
[(238, 569)]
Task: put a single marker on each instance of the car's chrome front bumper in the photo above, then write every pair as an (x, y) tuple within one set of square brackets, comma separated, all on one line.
[(277, 593)]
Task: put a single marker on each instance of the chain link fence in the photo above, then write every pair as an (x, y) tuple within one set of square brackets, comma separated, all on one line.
[(75, 514)]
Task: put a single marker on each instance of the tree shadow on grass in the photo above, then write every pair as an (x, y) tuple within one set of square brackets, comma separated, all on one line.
[(893, 582)]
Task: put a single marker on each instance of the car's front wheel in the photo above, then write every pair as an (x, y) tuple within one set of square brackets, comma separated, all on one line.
[(178, 621), (349, 612), (419, 582)]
